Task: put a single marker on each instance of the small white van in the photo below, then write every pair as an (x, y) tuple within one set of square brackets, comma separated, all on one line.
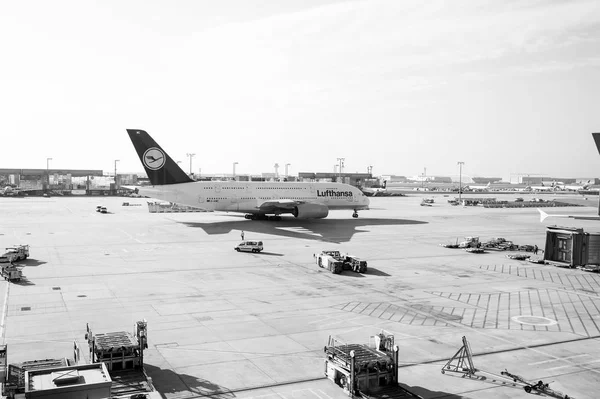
[(250, 246)]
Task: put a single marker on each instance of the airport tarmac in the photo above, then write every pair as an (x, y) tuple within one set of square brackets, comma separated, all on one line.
[(241, 325)]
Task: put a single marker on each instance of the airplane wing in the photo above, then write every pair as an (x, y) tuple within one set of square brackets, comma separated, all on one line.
[(544, 215), (278, 206)]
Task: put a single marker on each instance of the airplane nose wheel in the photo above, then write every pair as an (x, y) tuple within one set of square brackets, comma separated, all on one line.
[(355, 215)]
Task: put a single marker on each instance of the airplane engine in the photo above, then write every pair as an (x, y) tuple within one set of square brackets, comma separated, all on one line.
[(310, 211)]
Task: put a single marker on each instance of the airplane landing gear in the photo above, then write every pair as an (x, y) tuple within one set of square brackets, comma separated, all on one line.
[(254, 216), (355, 214)]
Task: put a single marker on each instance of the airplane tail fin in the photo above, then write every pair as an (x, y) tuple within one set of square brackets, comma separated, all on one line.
[(159, 166), (596, 137), (543, 215)]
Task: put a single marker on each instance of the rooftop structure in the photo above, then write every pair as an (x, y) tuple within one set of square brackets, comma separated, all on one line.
[(89, 380)]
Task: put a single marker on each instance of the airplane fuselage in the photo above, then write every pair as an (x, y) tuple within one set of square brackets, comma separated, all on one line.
[(248, 196)]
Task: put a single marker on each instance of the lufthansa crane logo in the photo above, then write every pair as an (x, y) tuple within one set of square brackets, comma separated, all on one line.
[(154, 158)]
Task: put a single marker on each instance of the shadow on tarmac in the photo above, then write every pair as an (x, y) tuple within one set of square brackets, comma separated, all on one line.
[(31, 262), (167, 382), (350, 274), (376, 272), (24, 282), (269, 253), (329, 230), (426, 393)]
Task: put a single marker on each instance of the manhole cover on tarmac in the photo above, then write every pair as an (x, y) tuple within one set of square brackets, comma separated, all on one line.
[(534, 320)]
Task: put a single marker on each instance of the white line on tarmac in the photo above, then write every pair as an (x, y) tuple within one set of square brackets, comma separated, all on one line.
[(130, 236), (323, 393), (557, 359), (582, 365)]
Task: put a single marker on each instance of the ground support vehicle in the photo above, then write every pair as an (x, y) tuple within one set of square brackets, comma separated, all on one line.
[(536, 259), (470, 242), (499, 244), (249, 246), (10, 272), (475, 250), (355, 264), (16, 253), (527, 248), (123, 355), (331, 260), (538, 387), (462, 363), (366, 371), (449, 245), (13, 375)]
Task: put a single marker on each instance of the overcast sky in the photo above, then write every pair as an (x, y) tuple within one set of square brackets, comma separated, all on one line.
[(505, 86)]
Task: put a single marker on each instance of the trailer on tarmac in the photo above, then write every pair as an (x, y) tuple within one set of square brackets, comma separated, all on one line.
[(10, 272), (123, 355), (366, 371)]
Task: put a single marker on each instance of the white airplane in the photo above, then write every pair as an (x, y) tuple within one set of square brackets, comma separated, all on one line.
[(258, 200), (477, 188), (575, 187), (373, 191), (544, 215), (544, 188)]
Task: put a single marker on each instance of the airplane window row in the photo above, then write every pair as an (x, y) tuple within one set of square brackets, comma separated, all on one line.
[(287, 188)]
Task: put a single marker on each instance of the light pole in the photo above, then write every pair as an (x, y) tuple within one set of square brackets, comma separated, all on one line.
[(191, 156), (48, 171), (460, 164), (341, 162), (235, 163), (116, 160)]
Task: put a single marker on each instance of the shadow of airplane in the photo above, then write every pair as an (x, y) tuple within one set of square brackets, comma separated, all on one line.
[(328, 230)]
